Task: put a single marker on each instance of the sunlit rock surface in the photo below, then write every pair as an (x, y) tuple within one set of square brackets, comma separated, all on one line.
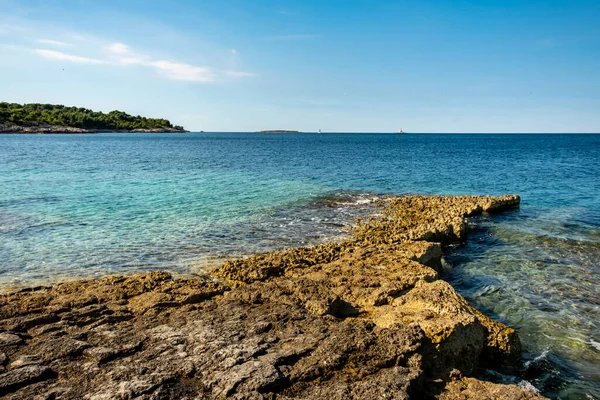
[(367, 318)]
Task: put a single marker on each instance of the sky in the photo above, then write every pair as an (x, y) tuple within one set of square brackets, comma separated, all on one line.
[(346, 66)]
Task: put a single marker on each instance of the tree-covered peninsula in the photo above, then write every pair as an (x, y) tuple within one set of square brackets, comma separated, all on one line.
[(51, 118)]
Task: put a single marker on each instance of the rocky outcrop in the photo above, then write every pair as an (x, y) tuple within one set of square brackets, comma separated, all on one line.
[(45, 128), (14, 128), (473, 389), (367, 318)]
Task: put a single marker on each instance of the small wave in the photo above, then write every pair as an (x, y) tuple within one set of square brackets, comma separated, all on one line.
[(541, 357), (359, 201), (346, 199), (528, 386), (498, 377)]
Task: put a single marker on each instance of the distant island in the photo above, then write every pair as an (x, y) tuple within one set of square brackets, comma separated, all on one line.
[(52, 118), (278, 131)]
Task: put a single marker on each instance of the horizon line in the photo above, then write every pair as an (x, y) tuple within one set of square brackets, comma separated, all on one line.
[(404, 133)]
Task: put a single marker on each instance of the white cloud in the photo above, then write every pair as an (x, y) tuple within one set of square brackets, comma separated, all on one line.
[(53, 42), (57, 55), (117, 48), (122, 55), (184, 72), (170, 69), (239, 74)]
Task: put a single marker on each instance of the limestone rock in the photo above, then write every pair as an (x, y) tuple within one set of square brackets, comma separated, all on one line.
[(9, 339), (366, 318), (473, 389), (12, 380)]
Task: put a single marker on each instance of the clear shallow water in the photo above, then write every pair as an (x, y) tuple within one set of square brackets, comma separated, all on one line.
[(86, 205)]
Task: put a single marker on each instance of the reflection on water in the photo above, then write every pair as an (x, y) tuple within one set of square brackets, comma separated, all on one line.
[(538, 271)]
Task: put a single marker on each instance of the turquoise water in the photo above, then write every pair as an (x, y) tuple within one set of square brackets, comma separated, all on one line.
[(87, 205)]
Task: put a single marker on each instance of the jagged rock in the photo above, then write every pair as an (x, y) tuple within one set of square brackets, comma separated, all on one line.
[(367, 318), (12, 380), (9, 339), (44, 128), (473, 389), (25, 360)]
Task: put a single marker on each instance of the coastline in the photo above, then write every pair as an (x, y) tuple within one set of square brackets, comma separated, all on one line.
[(56, 129), (362, 318)]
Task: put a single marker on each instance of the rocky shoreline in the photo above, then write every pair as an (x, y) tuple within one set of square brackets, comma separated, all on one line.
[(49, 129), (366, 318)]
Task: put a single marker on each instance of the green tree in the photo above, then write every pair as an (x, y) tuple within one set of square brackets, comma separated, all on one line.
[(79, 117)]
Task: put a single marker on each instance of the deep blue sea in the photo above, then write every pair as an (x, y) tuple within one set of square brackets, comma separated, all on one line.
[(89, 205)]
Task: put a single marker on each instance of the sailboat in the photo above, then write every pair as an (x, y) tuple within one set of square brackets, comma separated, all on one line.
[(401, 131), (319, 131)]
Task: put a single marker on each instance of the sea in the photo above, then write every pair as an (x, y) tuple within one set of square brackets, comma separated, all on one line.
[(75, 206)]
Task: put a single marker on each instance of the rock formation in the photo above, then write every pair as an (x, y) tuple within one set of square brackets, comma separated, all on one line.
[(45, 128), (367, 318)]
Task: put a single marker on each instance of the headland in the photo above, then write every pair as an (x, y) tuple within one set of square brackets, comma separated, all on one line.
[(52, 118), (366, 318)]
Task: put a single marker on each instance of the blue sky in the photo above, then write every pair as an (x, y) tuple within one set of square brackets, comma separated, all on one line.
[(367, 66)]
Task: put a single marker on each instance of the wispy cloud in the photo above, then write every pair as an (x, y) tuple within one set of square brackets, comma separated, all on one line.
[(119, 54), (183, 72), (232, 69), (58, 55), (170, 69), (117, 48), (54, 42)]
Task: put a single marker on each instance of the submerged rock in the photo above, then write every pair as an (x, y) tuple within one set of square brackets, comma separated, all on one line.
[(367, 318)]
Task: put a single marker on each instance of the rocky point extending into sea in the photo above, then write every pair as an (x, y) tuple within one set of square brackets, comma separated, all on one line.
[(46, 128), (366, 318)]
